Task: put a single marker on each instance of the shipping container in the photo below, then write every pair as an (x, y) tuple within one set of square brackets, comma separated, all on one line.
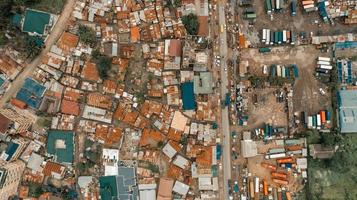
[(283, 71), (324, 59), (256, 185), (281, 182), (267, 41), (310, 123), (250, 15), (304, 3), (323, 116), (276, 37), (278, 4), (264, 34), (293, 37), (329, 67), (265, 188), (285, 160), (314, 121), (318, 118), (296, 152), (276, 150), (271, 37), (275, 194), (278, 155), (278, 70), (268, 6), (279, 175), (328, 116), (280, 33), (251, 189), (273, 70), (295, 71), (293, 8), (284, 36), (322, 71), (312, 9), (288, 37), (269, 166), (321, 62)]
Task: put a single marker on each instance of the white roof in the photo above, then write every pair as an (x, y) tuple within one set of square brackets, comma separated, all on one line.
[(301, 163), (169, 151), (111, 154), (181, 162), (35, 162), (180, 188), (111, 170), (147, 191), (249, 148)]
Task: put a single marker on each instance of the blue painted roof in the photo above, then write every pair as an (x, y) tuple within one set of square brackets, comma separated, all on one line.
[(188, 97), (11, 149), (31, 93)]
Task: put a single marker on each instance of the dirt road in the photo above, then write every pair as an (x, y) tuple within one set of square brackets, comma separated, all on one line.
[(30, 66)]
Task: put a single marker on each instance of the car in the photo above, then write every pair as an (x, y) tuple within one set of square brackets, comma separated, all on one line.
[(225, 69), (322, 91)]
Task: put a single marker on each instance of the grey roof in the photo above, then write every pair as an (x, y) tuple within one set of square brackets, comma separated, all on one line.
[(126, 183), (348, 111), (35, 162), (203, 84)]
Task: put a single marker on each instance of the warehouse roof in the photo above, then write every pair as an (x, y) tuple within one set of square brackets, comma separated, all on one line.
[(347, 111)]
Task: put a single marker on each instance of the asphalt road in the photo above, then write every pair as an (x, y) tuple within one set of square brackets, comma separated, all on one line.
[(30, 66), (226, 143)]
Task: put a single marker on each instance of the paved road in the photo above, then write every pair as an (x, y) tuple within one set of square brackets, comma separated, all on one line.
[(31, 66), (226, 144)]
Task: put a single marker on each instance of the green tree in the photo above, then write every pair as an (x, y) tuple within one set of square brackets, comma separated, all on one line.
[(95, 54), (33, 46), (87, 36), (191, 23), (104, 64)]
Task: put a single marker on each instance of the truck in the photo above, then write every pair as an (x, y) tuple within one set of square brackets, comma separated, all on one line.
[(328, 116), (329, 67), (283, 71), (279, 175), (277, 155), (310, 123), (219, 151), (293, 8), (321, 62), (324, 59), (323, 116), (276, 37), (293, 37), (265, 187), (278, 70), (264, 34), (256, 185), (273, 70), (271, 37), (285, 160), (268, 6), (276, 150), (264, 50), (314, 121)]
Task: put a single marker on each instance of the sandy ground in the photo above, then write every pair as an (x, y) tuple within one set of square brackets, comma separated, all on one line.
[(306, 89)]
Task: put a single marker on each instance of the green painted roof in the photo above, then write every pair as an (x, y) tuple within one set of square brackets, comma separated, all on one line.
[(54, 141), (35, 21), (108, 187)]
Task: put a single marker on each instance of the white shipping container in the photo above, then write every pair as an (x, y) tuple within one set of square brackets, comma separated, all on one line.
[(277, 4), (278, 155), (278, 70), (318, 117), (284, 35), (283, 71), (329, 67), (264, 33), (267, 41), (324, 59), (256, 184), (309, 123), (320, 62)]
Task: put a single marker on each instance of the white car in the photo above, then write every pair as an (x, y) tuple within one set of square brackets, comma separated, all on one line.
[(322, 91)]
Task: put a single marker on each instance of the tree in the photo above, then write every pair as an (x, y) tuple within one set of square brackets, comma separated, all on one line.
[(87, 36), (95, 54), (191, 23), (33, 46), (104, 64)]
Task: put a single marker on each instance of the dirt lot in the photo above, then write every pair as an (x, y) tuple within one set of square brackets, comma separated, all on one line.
[(306, 89), (301, 22), (258, 114)]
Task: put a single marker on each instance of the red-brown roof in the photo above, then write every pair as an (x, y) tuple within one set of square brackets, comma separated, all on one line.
[(70, 107), (18, 103), (52, 167), (175, 48), (4, 123)]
